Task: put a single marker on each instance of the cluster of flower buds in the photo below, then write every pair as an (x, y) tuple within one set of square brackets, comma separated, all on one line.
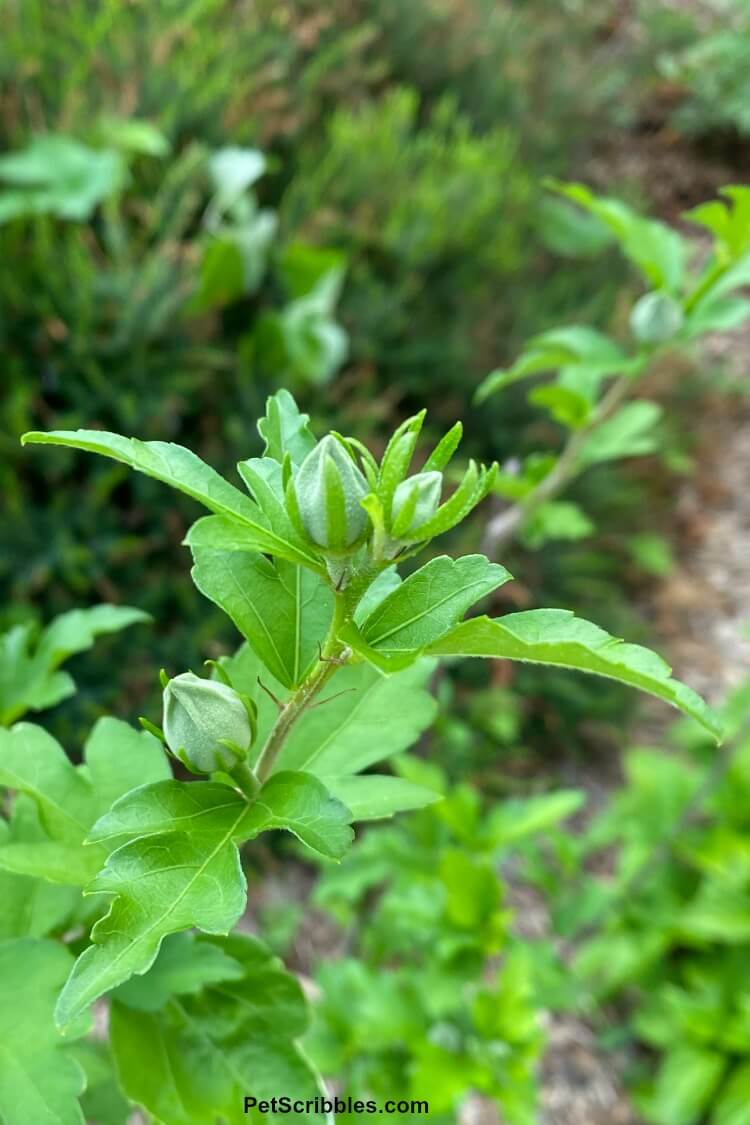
[(340, 499), (207, 725)]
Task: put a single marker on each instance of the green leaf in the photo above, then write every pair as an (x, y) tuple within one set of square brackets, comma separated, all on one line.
[(264, 479), (118, 758), (373, 797), (31, 907), (361, 718), (183, 470), (567, 406), (728, 222), (51, 860), (386, 582), (184, 966), (558, 638), (69, 799), (39, 1079), (134, 135), (32, 762), (514, 820), (162, 884), (567, 231), (297, 802), (555, 519), (184, 843), (57, 175), (233, 170), (221, 277), (205, 809), (284, 429), (430, 602), (652, 553), (29, 680), (282, 610), (657, 250), (732, 1106), (628, 433), (473, 889), (102, 1102), (685, 1083), (219, 534), (717, 314), (573, 346), (719, 912), (196, 1059), (301, 804)]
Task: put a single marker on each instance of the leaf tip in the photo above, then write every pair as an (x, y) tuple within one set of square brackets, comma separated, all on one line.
[(31, 437)]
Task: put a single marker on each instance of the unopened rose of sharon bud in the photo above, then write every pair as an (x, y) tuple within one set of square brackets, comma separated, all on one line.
[(414, 502), (656, 318), (199, 717), (328, 489)]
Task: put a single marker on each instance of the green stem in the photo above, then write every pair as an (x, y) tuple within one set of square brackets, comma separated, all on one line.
[(707, 282), (504, 526), (246, 780), (298, 702)]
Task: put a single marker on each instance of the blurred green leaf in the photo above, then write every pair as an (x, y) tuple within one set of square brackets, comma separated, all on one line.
[(59, 176)]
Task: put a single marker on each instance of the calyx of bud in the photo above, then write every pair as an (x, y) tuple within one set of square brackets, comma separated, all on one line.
[(206, 723)]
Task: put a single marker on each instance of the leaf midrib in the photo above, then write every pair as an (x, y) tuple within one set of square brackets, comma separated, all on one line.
[(225, 839)]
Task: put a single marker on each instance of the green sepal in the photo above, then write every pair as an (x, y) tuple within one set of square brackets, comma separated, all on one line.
[(444, 450), (369, 464), (336, 523), (152, 728), (475, 485), (397, 457)]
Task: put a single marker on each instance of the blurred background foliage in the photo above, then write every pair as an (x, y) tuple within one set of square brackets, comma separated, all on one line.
[(201, 202)]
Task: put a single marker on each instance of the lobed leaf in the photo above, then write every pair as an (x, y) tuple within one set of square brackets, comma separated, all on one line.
[(180, 867), (195, 1058), (161, 884), (558, 638)]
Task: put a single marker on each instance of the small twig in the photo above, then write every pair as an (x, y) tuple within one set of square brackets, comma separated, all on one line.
[(503, 526)]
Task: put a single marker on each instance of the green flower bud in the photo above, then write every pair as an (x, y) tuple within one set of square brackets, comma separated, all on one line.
[(327, 491), (656, 318), (415, 501), (206, 723)]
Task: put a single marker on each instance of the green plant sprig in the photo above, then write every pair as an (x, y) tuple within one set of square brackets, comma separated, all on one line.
[(594, 396), (305, 564)]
